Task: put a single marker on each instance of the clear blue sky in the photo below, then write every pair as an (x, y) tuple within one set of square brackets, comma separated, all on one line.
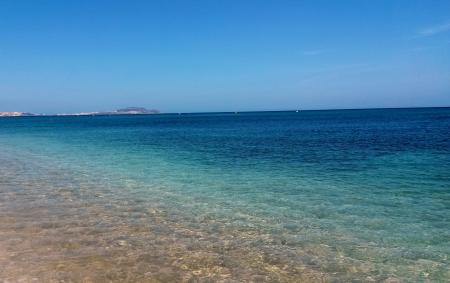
[(223, 55)]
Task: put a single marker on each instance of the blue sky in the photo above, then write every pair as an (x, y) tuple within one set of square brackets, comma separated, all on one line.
[(217, 55)]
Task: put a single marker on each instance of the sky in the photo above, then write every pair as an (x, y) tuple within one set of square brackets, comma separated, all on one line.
[(223, 55)]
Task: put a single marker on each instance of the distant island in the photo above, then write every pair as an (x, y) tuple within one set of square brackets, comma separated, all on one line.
[(122, 111)]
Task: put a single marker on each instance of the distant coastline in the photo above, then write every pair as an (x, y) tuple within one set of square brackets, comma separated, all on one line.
[(122, 111), (15, 114)]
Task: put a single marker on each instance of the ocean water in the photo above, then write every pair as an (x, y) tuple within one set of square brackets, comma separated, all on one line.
[(313, 196)]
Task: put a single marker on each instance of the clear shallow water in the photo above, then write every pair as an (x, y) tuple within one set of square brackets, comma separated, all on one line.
[(361, 195)]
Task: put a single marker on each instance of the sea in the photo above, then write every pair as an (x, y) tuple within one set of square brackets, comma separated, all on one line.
[(307, 196)]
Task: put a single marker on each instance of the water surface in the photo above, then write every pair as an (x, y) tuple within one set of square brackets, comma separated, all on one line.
[(331, 196)]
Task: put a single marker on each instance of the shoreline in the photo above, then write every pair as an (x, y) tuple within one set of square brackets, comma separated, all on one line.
[(51, 235)]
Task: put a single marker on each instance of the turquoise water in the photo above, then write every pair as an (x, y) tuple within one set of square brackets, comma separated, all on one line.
[(334, 196)]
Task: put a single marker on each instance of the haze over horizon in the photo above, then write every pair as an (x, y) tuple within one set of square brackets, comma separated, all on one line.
[(202, 56)]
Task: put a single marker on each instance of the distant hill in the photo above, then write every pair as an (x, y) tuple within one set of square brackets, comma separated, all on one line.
[(122, 111), (135, 110)]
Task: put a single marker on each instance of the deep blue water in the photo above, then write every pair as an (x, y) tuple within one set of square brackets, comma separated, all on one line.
[(349, 194)]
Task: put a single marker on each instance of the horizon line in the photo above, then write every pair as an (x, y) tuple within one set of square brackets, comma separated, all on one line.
[(222, 112)]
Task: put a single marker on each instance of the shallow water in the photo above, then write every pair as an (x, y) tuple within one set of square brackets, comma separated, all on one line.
[(332, 196)]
